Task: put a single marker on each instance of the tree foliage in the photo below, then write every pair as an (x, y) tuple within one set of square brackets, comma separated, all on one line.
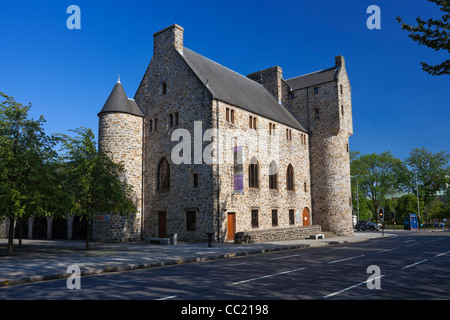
[(433, 33)]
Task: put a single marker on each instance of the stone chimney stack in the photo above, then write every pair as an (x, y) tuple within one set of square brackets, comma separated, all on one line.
[(170, 37), (339, 61), (271, 79)]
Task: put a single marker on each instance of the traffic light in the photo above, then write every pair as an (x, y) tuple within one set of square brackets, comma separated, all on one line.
[(381, 214)]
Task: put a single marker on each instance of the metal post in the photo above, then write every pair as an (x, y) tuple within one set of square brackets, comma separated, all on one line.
[(418, 207)]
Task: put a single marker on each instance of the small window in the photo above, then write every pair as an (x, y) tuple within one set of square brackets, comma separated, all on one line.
[(176, 118), (347, 147), (250, 122), (316, 113), (342, 90), (290, 178), (253, 177), (255, 222), (305, 187), (273, 173), (254, 123), (155, 122), (150, 125), (291, 217), (171, 120), (191, 220), (342, 110), (289, 134), (232, 116), (271, 128), (164, 88), (195, 180), (274, 218), (292, 95), (228, 114), (316, 89)]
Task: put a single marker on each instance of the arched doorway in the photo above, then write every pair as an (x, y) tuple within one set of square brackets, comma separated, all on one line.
[(59, 228), (306, 217), (40, 228)]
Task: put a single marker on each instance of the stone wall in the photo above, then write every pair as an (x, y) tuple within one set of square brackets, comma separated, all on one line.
[(120, 135), (294, 233)]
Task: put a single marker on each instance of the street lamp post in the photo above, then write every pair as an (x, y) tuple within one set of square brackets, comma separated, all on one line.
[(418, 207), (357, 195)]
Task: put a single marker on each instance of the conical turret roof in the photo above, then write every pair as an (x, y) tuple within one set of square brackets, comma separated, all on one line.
[(119, 102)]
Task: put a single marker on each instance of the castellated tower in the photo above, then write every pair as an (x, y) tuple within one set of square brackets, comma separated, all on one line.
[(322, 102), (121, 136)]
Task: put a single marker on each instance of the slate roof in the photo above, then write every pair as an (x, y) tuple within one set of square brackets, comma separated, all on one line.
[(236, 89), (314, 78), (119, 102)]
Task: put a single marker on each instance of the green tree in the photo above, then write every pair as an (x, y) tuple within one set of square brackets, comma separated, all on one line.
[(26, 158), (430, 169), (377, 176), (93, 180), (433, 33)]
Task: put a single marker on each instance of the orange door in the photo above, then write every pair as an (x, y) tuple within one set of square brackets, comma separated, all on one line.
[(306, 217), (231, 226)]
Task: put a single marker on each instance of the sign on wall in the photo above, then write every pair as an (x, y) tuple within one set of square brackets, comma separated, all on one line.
[(238, 170)]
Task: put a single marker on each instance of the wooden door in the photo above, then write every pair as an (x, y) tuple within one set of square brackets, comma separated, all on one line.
[(162, 225), (231, 226), (306, 217)]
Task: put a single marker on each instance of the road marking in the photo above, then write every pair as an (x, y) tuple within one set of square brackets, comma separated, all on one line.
[(351, 287), (441, 254), (410, 245), (409, 240), (388, 250), (294, 255), (268, 276), (165, 298), (335, 261), (421, 261)]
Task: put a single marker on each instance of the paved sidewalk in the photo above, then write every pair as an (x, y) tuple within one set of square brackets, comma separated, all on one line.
[(40, 260)]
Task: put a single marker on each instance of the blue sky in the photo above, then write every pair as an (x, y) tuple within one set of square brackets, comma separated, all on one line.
[(67, 75)]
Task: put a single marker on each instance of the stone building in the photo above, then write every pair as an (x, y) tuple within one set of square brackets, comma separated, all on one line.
[(208, 150)]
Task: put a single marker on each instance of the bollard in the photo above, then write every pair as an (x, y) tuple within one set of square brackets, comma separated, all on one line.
[(210, 234)]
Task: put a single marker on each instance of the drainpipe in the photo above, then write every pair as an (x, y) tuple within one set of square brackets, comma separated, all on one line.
[(218, 172)]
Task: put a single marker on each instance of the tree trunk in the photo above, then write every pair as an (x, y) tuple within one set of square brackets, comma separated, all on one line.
[(87, 235), (10, 236)]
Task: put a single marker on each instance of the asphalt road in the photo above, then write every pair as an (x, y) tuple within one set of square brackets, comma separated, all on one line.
[(413, 265)]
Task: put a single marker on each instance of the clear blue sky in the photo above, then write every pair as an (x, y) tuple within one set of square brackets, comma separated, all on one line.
[(67, 75)]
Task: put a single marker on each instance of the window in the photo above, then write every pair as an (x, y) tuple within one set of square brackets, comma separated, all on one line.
[(173, 119), (253, 173), (255, 223), (228, 114), (289, 134), (342, 110), (273, 169), (271, 128), (292, 95), (290, 178), (316, 113), (163, 175), (291, 217), (232, 115), (155, 124), (164, 88), (250, 122), (254, 123), (195, 180), (150, 125), (191, 220), (305, 187), (342, 90), (347, 147), (316, 89), (274, 218)]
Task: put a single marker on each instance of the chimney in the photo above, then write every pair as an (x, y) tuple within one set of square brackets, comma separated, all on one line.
[(339, 61), (271, 79), (170, 37)]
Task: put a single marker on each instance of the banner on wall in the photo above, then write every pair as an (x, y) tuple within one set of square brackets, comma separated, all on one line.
[(238, 171)]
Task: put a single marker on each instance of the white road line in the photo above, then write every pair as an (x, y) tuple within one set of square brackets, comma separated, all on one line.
[(346, 259), (409, 240), (294, 255), (410, 245), (268, 276), (351, 287), (441, 254), (165, 298), (421, 261), (387, 250)]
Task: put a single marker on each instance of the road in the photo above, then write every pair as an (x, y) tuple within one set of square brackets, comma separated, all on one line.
[(413, 265)]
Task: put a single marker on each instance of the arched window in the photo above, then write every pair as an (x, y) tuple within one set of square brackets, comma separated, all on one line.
[(273, 173), (253, 173), (290, 177), (163, 175)]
